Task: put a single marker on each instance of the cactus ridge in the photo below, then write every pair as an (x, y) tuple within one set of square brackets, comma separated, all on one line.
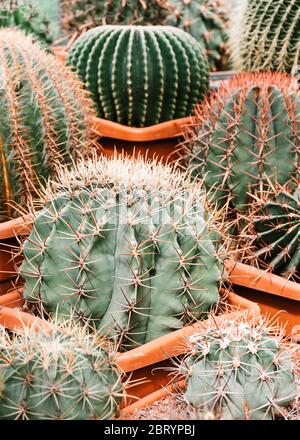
[(42, 120), (127, 245), (65, 374), (140, 76), (238, 371)]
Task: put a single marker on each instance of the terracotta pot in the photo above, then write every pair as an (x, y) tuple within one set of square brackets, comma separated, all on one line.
[(277, 297)]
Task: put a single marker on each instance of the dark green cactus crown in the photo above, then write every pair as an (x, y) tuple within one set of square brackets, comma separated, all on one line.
[(126, 244), (239, 372), (66, 374), (140, 76)]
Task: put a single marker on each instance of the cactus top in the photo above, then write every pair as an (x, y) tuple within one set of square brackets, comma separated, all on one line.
[(141, 75)]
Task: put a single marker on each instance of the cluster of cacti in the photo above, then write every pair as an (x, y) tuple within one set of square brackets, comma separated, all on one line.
[(63, 374), (126, 244), (207, 21), (44, 114), (246, 137), (267, 35), (236, 371), (17, 14), (80, 15), (275, 229), (140, 76)]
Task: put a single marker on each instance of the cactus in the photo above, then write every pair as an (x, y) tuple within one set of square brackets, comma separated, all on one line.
[(44, 117), (140, 76), (65, 374), (276, 231), (246, 138), (207, 21), (236, 371), (80, 15), (126, 244), (267, 36), (16, 14)]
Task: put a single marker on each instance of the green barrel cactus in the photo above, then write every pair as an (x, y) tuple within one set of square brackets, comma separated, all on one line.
[(239, 372), (80, 15), (67, 374), (246, 138), (127, 245), (141, 75), (207, 21), (267, 36), (276, 232), (44, 114)]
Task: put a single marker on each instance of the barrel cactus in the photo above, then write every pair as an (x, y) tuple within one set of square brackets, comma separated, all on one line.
[(44, 114), (267, 36), (126, 244), (239, 372), (246, 138), (140, 76), (80, 15), (16, 14), (207, 21), (65, 374)]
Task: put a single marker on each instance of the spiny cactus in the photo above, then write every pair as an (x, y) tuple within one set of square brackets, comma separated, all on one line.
[(126, 244), (246, 137), (266, 36), (16, 14), (237, 371), (207, 21), (81, 15), (44, 114), (140, 76), (276, 231), (66, 374)]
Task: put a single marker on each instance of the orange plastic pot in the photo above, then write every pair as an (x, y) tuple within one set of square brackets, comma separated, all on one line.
[(277, 297)]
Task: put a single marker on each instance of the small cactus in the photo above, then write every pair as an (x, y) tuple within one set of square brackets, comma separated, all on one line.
[(126, 244), (238, 371), (141, 75), (44, 118), (207, 21), (64, 374)]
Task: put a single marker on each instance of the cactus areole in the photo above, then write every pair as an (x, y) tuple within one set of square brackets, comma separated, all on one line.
[(141, 75), (126, 244)]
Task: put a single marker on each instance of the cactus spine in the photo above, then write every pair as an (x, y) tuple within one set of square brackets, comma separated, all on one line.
[(267, 36), (65, 374), (247, 137), (140, 76), (43, 118), (126, 244), (239, 372), (207, 21)]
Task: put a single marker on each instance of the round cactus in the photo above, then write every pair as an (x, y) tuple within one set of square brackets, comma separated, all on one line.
[(140, 76), (126, 244), (44, 114), (66, 374), (267, 36), (246, 138), (207, 22), (239, 372)]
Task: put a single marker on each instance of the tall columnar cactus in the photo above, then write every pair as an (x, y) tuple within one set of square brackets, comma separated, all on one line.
[(267, 35), (44, 115), (275, 228), (239, 372), (126, 244), (247, 137), (79, 15), (207, 21), (66, 374), (139, 76), (16, 14)]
